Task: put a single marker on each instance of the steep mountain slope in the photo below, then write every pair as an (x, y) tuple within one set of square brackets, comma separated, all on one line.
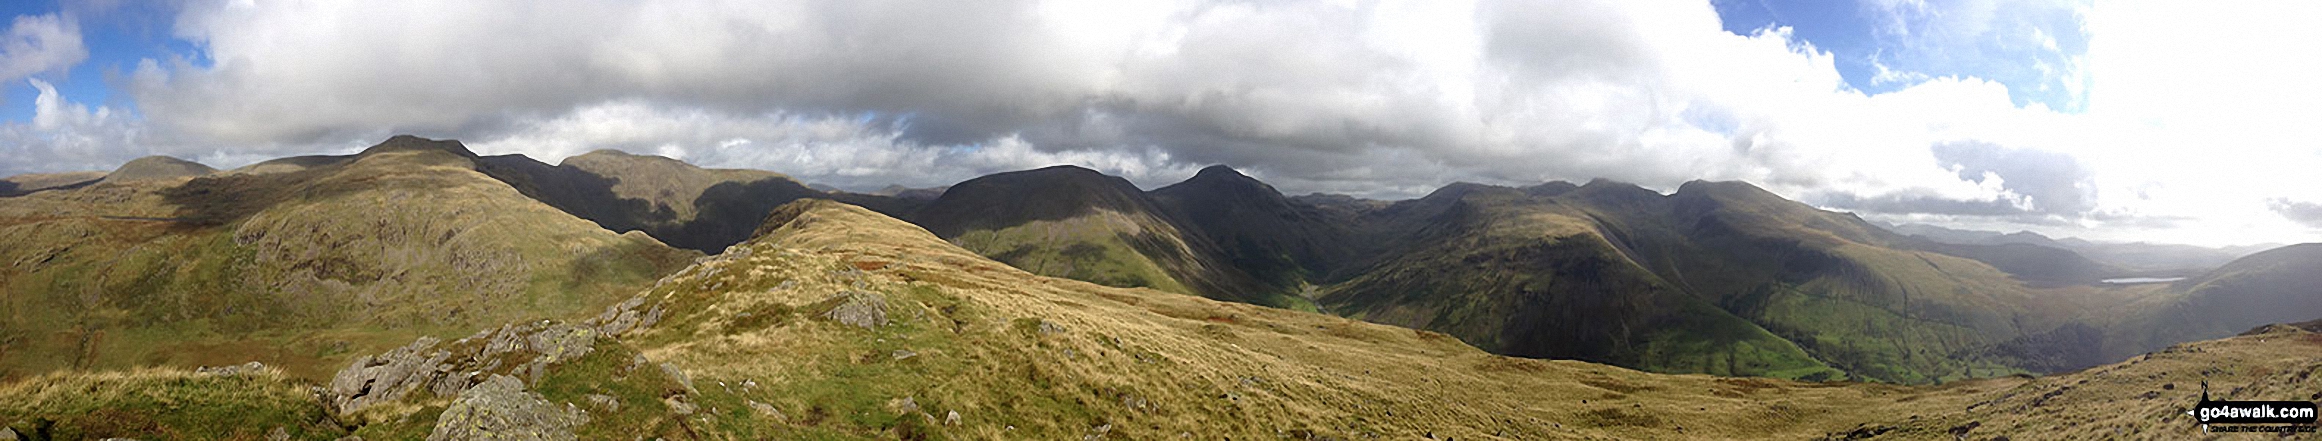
[(1076, 223), (1718, 277), (296, 264), (2275, 286), (684, 205), (1261, 232), (840, 323), (1519, 277)]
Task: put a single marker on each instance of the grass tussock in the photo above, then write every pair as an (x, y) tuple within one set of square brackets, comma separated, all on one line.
[(157, 403)]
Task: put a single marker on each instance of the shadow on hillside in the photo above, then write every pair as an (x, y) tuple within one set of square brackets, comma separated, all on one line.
[(578, 192), (724, 214), (218, 200)]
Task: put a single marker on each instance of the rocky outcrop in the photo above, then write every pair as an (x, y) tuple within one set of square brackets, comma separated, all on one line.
[(500, 408), (859, 308), (386, 377), (618, 320), (451, 369), (251, 368)]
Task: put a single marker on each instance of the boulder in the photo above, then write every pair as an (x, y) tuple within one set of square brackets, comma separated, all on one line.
[(867, 310), (500, 408)]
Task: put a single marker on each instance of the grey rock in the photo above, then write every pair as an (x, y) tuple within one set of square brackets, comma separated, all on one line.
[(500, 409), (951, 418), (278, 434), (678, 375), (768, 410), (620, 318), (651, 316), (900, 354), (8, 434), (562, 342), (386, 377), (533, 348), (606, 402), (228, 371), (867, 310), (678, 405)]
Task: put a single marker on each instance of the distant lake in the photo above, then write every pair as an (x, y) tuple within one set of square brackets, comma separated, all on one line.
[(2137, 280)]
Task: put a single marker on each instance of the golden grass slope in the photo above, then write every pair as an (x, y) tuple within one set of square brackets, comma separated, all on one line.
[(1019, 356), (839, 323), (299, 268)]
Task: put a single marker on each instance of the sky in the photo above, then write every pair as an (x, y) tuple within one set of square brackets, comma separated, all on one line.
[(2178, 122)]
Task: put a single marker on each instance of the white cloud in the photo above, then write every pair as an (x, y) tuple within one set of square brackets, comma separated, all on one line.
[(1308, 93), (39, 44), (64, 135), (847, 152), (1389, 98)]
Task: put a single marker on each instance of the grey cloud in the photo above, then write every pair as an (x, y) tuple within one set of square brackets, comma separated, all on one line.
[(40, 43), (1306, 90), (1918, 203), (2307, 213), (2056, 183)]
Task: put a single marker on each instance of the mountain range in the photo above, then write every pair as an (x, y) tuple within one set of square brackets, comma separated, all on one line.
[(1060, 302)]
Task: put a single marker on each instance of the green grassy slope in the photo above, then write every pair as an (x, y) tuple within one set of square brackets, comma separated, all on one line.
[(1687, 281), (1076, 223), (20, 185), (2274, 286), (1510, 275), (839, 323), (690, 207), (298, 267)]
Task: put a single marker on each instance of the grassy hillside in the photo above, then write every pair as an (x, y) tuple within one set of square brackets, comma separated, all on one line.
[(1076, 223), (1717, 277), (299, 267), (20, 185), (1505, 275), (2279, 285), (686, 206), (1284, 244), (840, 323)]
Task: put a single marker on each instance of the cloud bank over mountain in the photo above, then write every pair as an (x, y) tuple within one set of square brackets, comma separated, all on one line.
[(1382, 99)]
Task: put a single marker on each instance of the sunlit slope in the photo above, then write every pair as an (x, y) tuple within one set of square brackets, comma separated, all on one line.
[(1504, 274), (687, 206), (851, 324), (1613, 272), (27, 183), (840, 323), (1076, 223), (299, 264), (2144, 397)]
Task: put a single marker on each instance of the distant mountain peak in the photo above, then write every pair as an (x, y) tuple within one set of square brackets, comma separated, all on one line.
[(406, 143), (156, 167), (1217, 178), (1219, 171)]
